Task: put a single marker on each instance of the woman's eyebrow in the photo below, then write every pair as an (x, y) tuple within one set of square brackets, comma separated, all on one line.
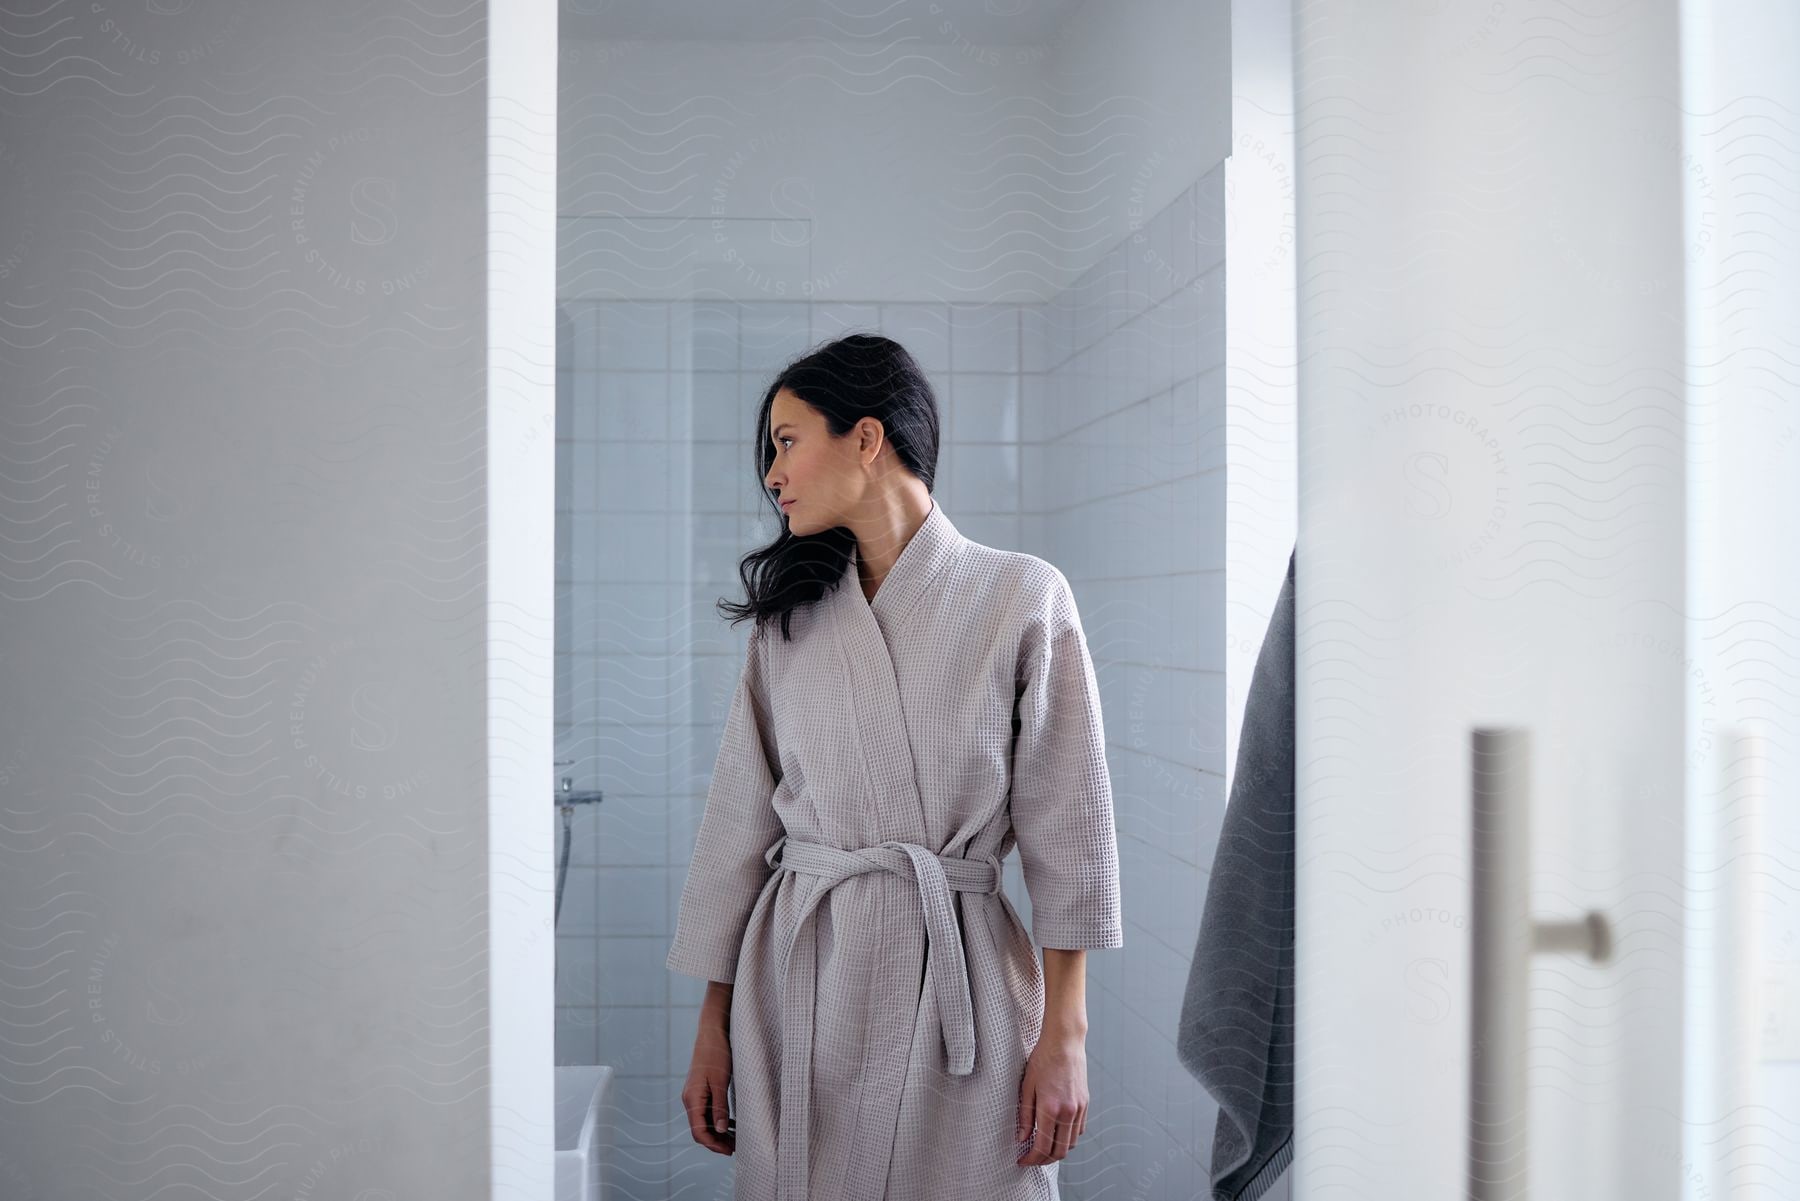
[(777, 430)]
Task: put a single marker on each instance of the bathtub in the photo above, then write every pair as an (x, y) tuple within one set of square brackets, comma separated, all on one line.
[(584, 1142)]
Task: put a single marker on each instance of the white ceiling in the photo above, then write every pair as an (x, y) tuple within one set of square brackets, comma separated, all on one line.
[(952, 22)]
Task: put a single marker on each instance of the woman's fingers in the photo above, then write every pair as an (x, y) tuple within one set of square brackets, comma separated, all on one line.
[(1041, 1145), (696, 1104), (721, 1106), (704, 1100), (1056, 1135), (719, 1135), (1064, 1138)]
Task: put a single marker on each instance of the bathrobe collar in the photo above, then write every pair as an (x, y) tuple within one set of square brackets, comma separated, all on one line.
[(930, 549), (893, 808)]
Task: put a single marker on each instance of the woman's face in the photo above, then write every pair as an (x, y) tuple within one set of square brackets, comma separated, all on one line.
[(818, 478)]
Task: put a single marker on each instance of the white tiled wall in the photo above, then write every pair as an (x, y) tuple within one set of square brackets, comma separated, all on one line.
[(1124, 490), (658, 497)]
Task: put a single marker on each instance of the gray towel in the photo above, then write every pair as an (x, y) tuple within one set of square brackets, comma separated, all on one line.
[(1237, 1018)]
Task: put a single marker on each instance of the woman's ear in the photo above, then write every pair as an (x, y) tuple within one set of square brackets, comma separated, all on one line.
[(870, 437)]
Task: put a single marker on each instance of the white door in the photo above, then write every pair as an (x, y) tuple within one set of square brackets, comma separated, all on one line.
[(1516, 445)]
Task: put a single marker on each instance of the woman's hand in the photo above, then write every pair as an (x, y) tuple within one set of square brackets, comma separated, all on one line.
[(704, 1096), (1054, 1097)]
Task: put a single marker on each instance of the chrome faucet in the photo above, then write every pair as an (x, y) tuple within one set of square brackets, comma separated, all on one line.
[(566, 794)]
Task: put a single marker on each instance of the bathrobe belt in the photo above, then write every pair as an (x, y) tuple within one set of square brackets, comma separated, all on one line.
[(937, 876)]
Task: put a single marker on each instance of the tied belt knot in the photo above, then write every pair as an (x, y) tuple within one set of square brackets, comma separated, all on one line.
[(937, 876)]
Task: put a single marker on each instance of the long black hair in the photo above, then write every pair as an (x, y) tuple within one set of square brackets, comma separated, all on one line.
[(859, 375)]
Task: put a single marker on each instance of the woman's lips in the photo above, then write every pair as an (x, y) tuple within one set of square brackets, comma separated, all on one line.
[(785, 504)]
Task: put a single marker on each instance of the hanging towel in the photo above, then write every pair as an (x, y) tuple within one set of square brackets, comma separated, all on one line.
[(1237, 1017)]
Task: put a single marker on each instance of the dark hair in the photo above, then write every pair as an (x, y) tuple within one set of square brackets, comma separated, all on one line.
[(859, 375)]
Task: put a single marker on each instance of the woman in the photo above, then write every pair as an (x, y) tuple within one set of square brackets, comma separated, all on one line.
[(874, 1002)]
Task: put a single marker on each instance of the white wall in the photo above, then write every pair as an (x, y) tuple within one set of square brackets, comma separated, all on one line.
[(519, 601), (1737, 167), (804, 171), (275, 916), (858, 171), (1143, 93), (1262, 485)]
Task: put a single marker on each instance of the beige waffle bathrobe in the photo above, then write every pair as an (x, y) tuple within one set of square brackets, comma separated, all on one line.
[(874, 774)]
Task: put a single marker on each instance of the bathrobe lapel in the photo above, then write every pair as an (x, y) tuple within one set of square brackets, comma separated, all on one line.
[(896, 813), (863, 630)]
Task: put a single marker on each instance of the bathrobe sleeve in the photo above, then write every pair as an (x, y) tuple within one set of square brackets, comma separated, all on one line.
[(1061, 798), (739, 825)]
